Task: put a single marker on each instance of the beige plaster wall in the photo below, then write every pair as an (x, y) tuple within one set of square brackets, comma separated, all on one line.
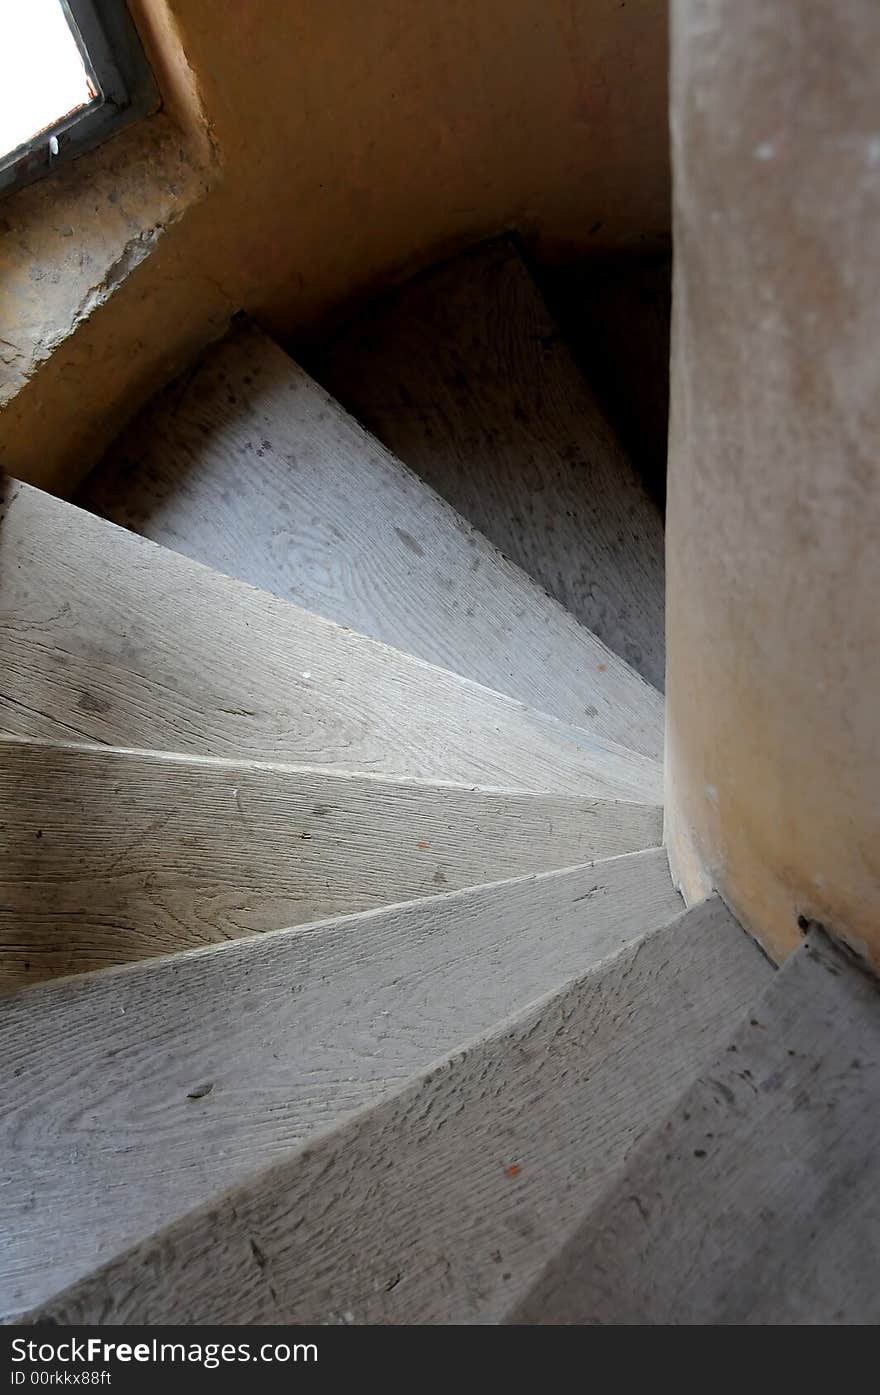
[(773, 515), (344, 144)]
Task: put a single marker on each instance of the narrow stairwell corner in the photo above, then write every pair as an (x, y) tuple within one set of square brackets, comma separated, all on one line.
[(393, 929)]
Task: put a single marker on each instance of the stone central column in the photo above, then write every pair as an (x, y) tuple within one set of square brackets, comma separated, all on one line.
[(773, 525)]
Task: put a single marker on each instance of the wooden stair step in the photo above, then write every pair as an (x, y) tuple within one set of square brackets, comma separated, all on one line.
[(106, 637), (135, 1094), (247, 465), (465, 376), (443, 1201), (756, 1201), (108, 856)]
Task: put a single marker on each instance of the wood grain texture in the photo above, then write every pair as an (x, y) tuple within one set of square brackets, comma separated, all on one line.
[(464, 375), (247, 465), (134, 1094), (441, 1203), (106, 637), (757, 1199), (109, 856)]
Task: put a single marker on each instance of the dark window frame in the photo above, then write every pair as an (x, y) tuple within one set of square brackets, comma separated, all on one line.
[(126, 90)]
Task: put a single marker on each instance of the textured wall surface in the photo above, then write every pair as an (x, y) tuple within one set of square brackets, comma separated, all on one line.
[(773, 522), (349, 143)]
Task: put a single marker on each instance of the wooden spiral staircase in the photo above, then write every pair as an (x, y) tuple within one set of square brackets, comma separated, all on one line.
[(344, 975)]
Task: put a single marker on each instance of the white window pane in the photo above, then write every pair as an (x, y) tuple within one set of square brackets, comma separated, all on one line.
[(42, 76)]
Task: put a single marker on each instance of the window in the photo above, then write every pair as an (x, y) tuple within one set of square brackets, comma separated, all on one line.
[(71, 73)]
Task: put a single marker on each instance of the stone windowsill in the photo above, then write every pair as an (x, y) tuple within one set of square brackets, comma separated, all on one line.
[(70, 239)]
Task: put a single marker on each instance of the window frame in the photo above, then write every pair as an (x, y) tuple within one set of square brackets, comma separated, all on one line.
[(126, 90)]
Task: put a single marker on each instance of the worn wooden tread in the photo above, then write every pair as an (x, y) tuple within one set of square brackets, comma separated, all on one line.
[(247, 465), (134, 1094), (442, 1202), (756, 1201), (106, 637), (108, 856), (465, 376)]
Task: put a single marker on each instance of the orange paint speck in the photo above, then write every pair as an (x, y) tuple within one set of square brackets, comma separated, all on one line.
[(422, 845), (513, 1170), (602, 668)]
